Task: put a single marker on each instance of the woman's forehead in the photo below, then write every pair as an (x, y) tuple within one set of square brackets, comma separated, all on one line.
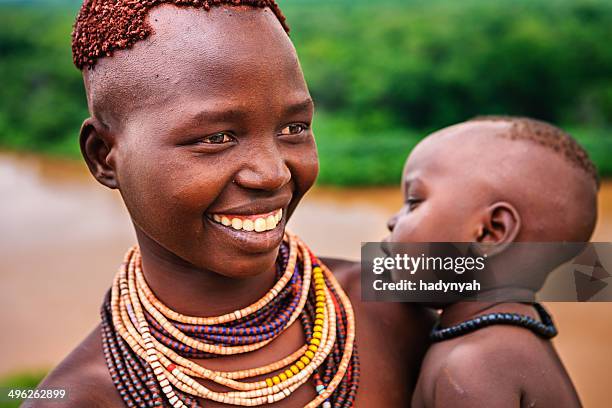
[(187, 60)]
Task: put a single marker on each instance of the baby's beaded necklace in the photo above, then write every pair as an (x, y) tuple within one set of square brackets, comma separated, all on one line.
[(545, 329), (147, 345)]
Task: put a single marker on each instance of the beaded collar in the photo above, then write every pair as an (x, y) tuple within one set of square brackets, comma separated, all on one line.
[(545, 329), (148, 346)]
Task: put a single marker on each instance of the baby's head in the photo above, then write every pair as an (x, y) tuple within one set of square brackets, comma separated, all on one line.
[(201, 118), (497, 180)]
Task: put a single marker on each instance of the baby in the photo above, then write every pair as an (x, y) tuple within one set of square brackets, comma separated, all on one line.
[(492, 181)]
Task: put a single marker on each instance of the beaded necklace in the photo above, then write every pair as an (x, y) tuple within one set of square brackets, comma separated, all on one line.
[(148, 346), (545, 329)]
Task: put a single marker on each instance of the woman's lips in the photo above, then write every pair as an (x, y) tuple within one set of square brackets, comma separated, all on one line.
[(253, 233), (256, 223)]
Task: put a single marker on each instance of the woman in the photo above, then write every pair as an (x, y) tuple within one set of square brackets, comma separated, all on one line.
[(202, 120)]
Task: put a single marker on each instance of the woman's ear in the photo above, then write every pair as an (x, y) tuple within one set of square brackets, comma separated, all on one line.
[(500, 225), (96, 148)]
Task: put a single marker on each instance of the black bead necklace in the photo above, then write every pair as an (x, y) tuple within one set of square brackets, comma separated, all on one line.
[(546, 328)]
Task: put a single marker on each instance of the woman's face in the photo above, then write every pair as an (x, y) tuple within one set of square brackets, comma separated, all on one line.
[(219, 131)]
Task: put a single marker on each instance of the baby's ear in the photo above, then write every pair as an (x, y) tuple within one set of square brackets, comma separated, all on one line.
[(96, 148), (500, 225)]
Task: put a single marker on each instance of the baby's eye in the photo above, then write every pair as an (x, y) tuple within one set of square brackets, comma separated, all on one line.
[(218, 138), (413, 203), (293, 129)]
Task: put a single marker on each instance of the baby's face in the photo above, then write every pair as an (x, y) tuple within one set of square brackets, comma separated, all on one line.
[(221, 133), (455, 176), (445, 187)]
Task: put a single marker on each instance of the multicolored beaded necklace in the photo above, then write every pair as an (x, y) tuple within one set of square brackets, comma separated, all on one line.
[(148, 346)]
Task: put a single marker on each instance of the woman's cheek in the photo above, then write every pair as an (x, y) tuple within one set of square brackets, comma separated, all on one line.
[(194, 194), (194, 183), (305, 166)]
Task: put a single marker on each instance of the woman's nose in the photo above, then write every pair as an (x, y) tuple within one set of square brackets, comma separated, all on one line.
[(265, 171)]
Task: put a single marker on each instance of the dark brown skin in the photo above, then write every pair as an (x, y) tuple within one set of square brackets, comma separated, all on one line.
[(500, 366), (154, 108), (467, 184)]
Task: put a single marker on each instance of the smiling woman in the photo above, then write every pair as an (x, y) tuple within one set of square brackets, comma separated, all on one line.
[(203, 123), (231, 90)]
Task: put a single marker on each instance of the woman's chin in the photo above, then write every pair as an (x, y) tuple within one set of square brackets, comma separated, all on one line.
[(247, 266)]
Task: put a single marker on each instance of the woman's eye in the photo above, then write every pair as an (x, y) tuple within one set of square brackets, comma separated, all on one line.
[(293, 129), (217, 138)]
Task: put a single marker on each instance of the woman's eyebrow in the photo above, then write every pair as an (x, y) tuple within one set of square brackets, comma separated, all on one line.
[(212, 115), (241, 113), (299, 107)]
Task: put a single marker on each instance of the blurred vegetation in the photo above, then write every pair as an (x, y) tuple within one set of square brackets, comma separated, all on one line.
[(20, 381), (383, 74)]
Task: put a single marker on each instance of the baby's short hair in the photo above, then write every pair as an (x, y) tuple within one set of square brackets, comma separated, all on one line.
[(550, 136), (103, 26)]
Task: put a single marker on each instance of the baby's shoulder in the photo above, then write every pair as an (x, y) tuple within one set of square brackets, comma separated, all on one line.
[(487, 367), (498, 349), (85, 377)]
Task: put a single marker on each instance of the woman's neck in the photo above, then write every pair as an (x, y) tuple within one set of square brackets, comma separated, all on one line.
[(197, 292)]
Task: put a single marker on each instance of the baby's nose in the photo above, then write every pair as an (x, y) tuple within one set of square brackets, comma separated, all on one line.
[(391, 223)]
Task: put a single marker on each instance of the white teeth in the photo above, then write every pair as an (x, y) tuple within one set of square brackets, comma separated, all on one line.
[(271, 222), (237, 223), (247, 225), (260, 224)]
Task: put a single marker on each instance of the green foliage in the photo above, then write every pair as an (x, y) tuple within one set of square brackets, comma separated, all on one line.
[(41, 96), (599, 145), (21, 381), (430, 64), (381, 69), (374, 158), (383, 74)]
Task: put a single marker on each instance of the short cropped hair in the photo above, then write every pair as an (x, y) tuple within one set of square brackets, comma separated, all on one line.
[(549, 136), (103, 26)]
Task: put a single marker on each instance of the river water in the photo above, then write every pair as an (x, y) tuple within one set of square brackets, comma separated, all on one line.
[(62, 237)]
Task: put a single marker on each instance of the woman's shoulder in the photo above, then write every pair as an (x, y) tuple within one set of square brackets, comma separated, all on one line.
[(85, 377), (414, 320), (391, 337), (346, 272)]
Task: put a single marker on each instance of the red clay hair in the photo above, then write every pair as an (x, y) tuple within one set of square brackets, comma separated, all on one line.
[(103, 26)]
